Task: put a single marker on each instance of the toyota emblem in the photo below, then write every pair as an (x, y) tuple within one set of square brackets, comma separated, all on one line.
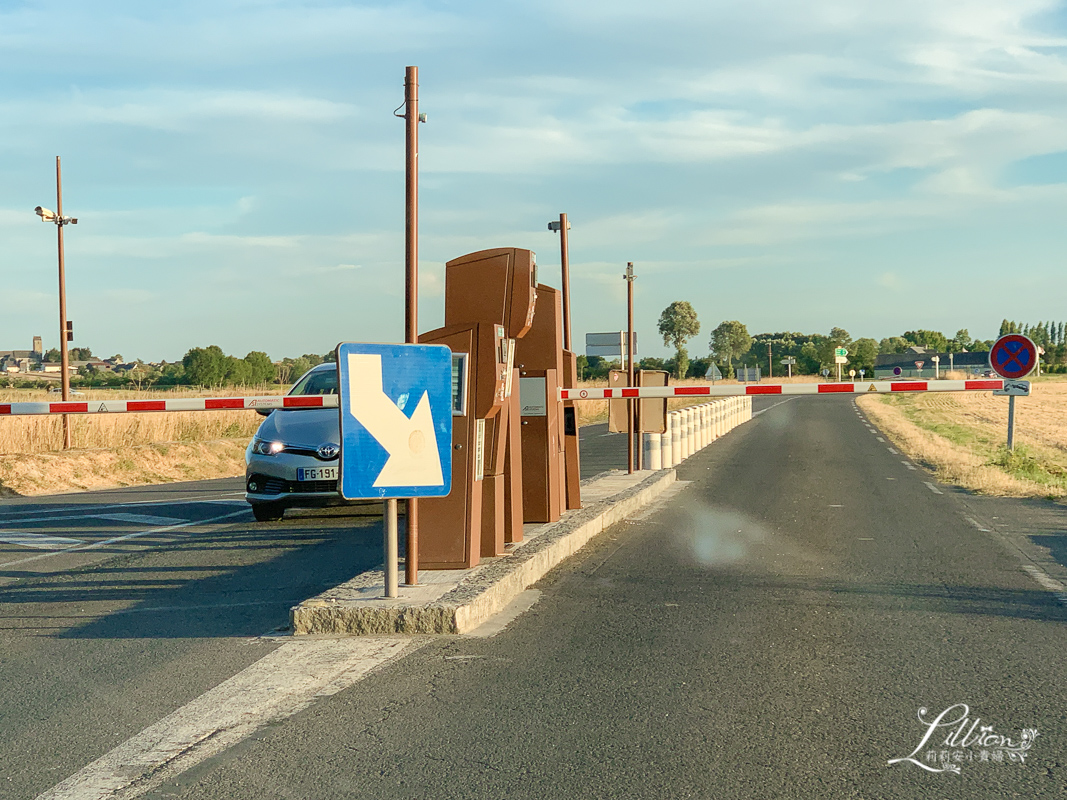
[(328, 451)]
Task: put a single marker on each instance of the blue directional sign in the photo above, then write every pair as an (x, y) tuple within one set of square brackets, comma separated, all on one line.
[(396, 420), (1013, 356)]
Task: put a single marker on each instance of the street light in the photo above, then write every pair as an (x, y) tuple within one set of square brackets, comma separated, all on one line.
[(561, 227), (47, 215)]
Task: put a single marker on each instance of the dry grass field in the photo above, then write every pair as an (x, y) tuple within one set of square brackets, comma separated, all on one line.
[(962, 437), (122, 449)]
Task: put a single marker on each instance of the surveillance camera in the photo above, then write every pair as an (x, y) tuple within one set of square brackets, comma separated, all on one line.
[(45, 214)]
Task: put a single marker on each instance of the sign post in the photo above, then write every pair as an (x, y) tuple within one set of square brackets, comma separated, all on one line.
[(395, 404), (788, 363), (840, 354), (1013, 357)]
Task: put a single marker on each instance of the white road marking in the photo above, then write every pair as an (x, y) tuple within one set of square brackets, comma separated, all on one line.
[(893, 451), (977, 525), (908, 464), (279, 685), (880, 439), (142, 519), (134, 535), (39, 540), (92, 509), (768, 408), (1046, 582), (932, 488), (862, 539), (836, 505)]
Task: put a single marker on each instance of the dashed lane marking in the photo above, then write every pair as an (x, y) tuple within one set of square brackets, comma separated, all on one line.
[(880, 439), (932, 488), (1046, 582), (977, 524), (894, 451)]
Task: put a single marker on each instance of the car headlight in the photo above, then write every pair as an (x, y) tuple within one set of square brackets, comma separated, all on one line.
[(264, 447)]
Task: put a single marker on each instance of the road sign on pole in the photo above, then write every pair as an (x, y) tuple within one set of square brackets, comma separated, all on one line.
[(840, 351), (1013, 356), (396, 420)]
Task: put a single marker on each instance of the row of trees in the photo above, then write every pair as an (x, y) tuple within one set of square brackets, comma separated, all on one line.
[(201, 366), (730, 343)]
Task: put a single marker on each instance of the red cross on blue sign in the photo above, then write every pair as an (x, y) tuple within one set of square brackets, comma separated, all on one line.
[(1013, 356)]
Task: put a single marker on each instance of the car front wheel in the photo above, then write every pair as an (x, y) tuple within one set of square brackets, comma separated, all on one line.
[(267, 512)]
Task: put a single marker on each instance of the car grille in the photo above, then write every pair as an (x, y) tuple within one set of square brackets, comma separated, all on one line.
[(282, 486)]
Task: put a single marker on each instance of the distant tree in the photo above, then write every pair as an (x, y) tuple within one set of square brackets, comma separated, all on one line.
[(238, 371), (53, 356), (80, 354), (960, 342), (934, 340), (729, 341), (205, 366), (893, 344), (838, 337), (862, 354), (677, 324), (261, 369), (117, 358)]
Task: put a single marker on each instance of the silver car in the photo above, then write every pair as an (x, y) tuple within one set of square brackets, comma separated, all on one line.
[(293, 459)]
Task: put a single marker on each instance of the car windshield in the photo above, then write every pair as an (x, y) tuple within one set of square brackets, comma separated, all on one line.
[(318, 382)]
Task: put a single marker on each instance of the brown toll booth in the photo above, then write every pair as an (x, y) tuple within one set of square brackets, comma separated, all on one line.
[(489, 303), (540, 358)]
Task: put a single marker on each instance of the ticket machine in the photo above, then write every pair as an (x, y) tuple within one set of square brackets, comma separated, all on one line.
[(541, 363), (489, 303)]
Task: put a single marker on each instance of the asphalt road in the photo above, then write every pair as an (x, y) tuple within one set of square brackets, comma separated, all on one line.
[(771, 631), (117, 607)]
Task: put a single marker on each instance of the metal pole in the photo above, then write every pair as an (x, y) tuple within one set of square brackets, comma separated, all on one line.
[(629, 276), (411, 288), (566, 266), (63, 357), (1011, 423), (391, 576), (770, 364)]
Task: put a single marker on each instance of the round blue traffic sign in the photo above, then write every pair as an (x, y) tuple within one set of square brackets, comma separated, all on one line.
[(1013, 356)]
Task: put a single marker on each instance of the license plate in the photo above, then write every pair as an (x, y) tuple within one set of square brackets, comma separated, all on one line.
[(317, 474)]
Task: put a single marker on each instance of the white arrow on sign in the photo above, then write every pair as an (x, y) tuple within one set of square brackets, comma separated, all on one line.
[(411, 443)]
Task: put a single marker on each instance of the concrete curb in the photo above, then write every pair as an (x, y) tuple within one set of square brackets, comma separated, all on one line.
[(356, 608)]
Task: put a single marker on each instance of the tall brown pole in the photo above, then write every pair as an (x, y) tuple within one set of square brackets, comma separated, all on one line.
[(411, 281), (630, 365), (63, 358), (564, 255)]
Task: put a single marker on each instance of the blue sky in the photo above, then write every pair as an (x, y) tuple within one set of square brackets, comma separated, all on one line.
[(238, 173)]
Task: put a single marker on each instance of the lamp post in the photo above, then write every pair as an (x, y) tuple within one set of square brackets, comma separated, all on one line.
[(629, 277), (562, 227), (57, 217)]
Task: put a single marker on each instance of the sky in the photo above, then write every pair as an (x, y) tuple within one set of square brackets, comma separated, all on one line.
[(238, 173)]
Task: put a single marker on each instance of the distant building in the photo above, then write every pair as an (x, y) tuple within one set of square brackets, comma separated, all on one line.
[(904, 365), (23, 360)]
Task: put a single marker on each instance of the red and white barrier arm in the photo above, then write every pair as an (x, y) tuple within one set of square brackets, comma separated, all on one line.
[(177, 404), (868, 387)]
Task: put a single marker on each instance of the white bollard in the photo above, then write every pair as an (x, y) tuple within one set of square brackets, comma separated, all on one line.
[(702, 418), (653, 451), (684, 417), (666, 452), (707, 424), (676, 438)]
